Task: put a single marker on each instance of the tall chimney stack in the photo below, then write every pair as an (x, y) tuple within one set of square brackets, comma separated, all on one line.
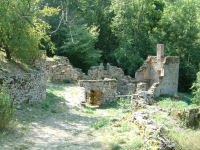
[(160, 51)]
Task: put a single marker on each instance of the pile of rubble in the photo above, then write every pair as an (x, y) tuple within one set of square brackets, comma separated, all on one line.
[(154, 134), (142, 96)]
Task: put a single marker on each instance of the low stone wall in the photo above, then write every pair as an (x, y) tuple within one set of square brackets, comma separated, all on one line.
[(26, 88), (105, 89)]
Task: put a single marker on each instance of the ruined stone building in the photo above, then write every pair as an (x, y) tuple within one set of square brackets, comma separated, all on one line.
[(160, 71), (157, 76)]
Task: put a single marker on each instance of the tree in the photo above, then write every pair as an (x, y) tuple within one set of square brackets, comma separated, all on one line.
[(132, 25), (22, 28), (75, 36), (80, 48), (179, 31), (196, 89)]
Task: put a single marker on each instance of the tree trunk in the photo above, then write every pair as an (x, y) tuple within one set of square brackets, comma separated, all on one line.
[(8, 55)]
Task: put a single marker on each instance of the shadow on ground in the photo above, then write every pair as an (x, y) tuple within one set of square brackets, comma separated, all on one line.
[(51, 125)]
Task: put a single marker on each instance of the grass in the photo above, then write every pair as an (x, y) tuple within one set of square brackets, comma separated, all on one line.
[(100, 123), (117, 135), (184, 138), (13, 67), (171, 102)]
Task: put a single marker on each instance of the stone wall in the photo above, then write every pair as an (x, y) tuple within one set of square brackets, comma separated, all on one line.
[(26, 88), (126, 84), (61, 69), (108, 88), (168, 82), (190, 116)]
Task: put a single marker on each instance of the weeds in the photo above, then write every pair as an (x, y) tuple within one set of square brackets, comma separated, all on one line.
[(100, 123), (124, 103), (6, 108)]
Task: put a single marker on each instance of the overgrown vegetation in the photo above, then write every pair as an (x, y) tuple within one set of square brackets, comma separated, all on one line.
[(196, 90), (184, 138), (6, 108), (125, 32), (170, 102)]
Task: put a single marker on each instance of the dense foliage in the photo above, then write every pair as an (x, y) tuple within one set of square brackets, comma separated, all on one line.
[(22, 28), (196, 89), (121, 32)]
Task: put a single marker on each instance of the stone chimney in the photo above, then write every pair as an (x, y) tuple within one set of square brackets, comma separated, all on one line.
[(160, 55), (160, 51)]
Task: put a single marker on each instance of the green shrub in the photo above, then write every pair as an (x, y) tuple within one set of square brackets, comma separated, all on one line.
[(100, 124), (56, 58), (196, 90), (6, 108), (67, 80), (124, 103)]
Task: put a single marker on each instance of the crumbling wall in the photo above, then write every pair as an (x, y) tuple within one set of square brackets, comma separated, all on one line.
[(61, 69), (108, 88), (190, 116), (96, 72), (25, 88), (143, 73), (160, 73), (126, 84), (168, 83)]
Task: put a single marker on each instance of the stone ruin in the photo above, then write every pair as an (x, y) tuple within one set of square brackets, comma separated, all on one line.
[(189, 116), (99, 92), (125, 84), (158, 76), (61, 69), (111, 82)]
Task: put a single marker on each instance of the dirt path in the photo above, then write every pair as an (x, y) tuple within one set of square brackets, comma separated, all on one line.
[(61, 127)]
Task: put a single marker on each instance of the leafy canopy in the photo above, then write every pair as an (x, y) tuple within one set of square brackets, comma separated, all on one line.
[(22, 28)]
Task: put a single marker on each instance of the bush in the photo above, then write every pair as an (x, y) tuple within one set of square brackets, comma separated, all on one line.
[(67, 80), (124, 103), (56, 58), (6, 108), (196, 90)]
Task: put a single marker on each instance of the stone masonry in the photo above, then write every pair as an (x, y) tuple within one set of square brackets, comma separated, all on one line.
[(158, 76), (27, 87), (160, 73), (99, 92), (126, 84), (61, 69)]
